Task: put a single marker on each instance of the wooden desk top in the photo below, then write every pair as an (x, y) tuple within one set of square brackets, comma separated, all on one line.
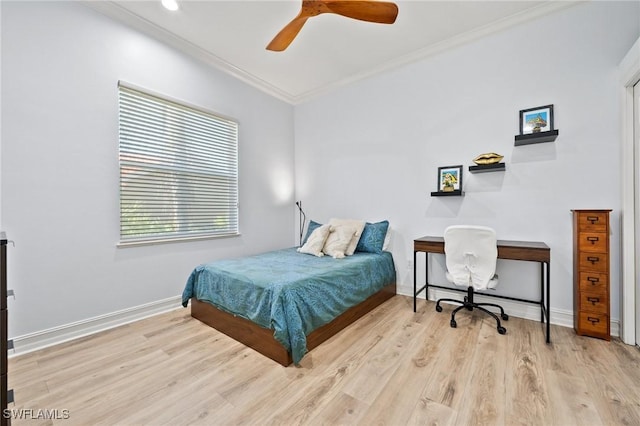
[(535, 251)]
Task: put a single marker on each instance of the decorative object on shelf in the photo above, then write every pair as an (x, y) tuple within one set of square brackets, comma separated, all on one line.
[(488, 158), (536, 120), (449, 181), (450, 178), (536, 126)]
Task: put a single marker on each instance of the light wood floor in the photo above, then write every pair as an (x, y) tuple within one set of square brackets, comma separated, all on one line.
[(392, 367)]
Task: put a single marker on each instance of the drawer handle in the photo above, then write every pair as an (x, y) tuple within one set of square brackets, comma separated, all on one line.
[(593, 320), (593, 239), (593, 300), (593, 280), (593, 259), (593, 219)]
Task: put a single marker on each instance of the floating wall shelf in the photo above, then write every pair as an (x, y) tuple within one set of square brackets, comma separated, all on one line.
[(447, 194), (483, 168), (536, 138)]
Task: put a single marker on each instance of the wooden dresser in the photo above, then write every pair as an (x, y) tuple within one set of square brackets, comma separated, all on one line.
[(591, 303), (6, 395)]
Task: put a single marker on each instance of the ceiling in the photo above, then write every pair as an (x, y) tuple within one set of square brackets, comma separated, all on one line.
[(330, 50)]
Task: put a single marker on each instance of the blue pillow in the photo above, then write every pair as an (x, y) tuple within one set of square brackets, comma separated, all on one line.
[(310, 228), (372, 239)]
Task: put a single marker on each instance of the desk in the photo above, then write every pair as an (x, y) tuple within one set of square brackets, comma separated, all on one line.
[(530, 251)]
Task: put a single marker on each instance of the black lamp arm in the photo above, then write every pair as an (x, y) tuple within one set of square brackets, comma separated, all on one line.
[(303, 219)]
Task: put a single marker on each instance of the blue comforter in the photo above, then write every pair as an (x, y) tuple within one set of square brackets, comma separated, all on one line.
[(290, 292)]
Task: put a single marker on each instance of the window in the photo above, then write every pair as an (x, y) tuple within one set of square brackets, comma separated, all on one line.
[(178, 170)]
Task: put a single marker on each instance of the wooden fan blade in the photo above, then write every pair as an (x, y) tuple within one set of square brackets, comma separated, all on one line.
[(283, 39), (381, 12)]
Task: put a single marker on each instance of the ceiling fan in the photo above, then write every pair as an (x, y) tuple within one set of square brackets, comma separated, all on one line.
[(381, 12)]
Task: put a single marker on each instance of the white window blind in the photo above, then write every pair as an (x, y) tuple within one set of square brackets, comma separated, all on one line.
[(178, 170)]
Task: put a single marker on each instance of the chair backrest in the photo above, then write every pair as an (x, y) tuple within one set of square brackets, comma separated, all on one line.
[(471, 253)]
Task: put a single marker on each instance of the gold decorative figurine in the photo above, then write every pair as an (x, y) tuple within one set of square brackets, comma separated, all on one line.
[(488, 158)]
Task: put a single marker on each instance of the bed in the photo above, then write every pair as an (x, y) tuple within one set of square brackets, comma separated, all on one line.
[(284, 303)]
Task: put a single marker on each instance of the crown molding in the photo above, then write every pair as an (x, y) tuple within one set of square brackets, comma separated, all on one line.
[(450, 43), (120, 14)]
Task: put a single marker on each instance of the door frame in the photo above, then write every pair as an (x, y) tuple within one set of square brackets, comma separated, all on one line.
[(629, 75), (636, 139)]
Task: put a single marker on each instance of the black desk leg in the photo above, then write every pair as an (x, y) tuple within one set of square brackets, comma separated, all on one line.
[(548, 302), (545, 299), (426, 276), (542, 298), (414, 281)]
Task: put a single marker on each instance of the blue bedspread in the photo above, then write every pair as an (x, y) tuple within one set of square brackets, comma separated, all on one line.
[(290, 292)]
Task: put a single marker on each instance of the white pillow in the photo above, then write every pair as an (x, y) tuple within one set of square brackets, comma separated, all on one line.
[(316, 240), (357, 224), (338, 241)]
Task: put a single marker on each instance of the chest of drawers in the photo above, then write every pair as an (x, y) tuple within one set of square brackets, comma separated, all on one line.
[(591, 303), (6, 395)]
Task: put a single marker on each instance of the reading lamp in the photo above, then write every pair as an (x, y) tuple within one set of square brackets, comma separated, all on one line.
[(303, 219)]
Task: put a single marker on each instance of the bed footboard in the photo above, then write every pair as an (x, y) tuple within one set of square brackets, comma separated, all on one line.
[(261, 339)]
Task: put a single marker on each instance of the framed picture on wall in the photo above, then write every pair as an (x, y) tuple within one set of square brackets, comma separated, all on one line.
[(450, 178), (536, 120)]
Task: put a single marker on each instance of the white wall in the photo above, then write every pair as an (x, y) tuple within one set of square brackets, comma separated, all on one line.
[(60, 65), (372, 150)]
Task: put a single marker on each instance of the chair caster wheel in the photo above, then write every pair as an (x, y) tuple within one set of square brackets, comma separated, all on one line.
[(502, 330), (453, 324), (505, 317), (438, 308)]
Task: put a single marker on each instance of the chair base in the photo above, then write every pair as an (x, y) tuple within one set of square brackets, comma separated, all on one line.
[(470, 305)]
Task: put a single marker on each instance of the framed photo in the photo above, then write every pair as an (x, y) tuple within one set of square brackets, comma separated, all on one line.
[(450, 178), (536, 120)]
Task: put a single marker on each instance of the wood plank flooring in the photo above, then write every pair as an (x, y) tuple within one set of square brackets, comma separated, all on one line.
[(392, 367)]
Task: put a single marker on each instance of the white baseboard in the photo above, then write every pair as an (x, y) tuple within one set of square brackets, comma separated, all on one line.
[(64, 333), (523, 310)]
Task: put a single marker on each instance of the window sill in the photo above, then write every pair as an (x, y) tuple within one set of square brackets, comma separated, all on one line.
[(156, 241)]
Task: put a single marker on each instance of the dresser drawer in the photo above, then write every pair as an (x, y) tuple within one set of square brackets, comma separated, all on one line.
[(597, 262), (594, 282), (593, 242), (594, 323), (593, 221), (594, 303)]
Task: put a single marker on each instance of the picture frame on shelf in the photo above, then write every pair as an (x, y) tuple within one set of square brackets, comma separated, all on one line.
[(450, 179), (536, 120)]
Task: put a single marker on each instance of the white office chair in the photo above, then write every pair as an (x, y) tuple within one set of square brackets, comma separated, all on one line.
[(471, 253)]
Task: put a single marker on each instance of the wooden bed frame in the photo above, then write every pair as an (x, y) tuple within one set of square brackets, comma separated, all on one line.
[(262, 340)]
